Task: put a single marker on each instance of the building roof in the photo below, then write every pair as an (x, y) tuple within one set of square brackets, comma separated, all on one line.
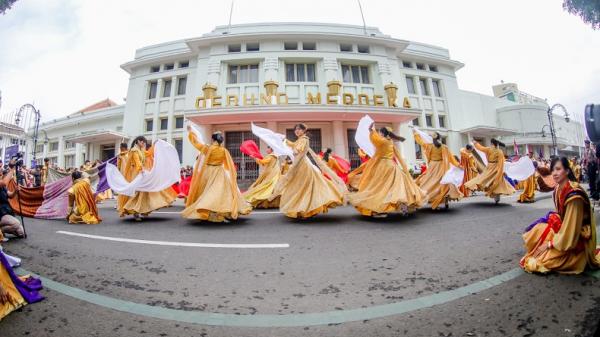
[(105, 103)]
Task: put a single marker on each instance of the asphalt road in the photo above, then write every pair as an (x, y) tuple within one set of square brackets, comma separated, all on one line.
[(402, 273)]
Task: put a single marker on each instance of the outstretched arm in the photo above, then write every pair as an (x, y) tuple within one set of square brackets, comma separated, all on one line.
[(195, 141)]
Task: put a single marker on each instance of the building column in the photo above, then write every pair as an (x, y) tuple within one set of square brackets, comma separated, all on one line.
[(117, 147), (339, 146), (78, 154), (155, 121), (170, 119), (61, 152), (45, 150)]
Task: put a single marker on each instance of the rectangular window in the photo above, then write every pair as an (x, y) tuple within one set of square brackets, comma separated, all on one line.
[(442, 121), (69, 161), (152, 90), (300, 72), (178, 144), (54, 146), (252, 46), (184, 64), (424, 87), (345, 47), (309, 46), (406, 64), (436, 88), (418, 151), (154, 69), (167, 88), (179, 122), (164, 123), (69, 145), (234, 48), (149, 125), (410, 85), (433, 68), (243, 73), (363, 49), (420, 66), (169, 66), (416, 122), (356, 74), (14, 141), (181, 84), (39, 148), (290, 45), (429, 121)]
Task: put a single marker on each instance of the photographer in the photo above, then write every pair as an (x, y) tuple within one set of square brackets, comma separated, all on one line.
[(8, 223), (590, 164)]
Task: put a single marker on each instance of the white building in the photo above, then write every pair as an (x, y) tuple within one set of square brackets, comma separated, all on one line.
[(279, 74)]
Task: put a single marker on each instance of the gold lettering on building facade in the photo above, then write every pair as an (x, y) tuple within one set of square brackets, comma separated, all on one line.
[(274, 97)]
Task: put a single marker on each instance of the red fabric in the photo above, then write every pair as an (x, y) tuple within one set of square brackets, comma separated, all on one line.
[(184, 187), (423, 168), (344, 165), (250, 148)]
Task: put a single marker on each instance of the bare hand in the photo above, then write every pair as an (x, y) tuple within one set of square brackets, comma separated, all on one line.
[(189, 128)]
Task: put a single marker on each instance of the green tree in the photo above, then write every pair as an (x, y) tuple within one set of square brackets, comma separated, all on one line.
[(5, 5), (588, 10)]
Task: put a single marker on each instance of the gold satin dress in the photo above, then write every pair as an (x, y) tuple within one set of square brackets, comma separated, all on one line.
[(261, 190), (386, 185), (144, 202), (492, 180), (573, 244), (82, 204), (469, 165), (529, 187), (17, 300), (439, 160), (304, 191), (214, 194)]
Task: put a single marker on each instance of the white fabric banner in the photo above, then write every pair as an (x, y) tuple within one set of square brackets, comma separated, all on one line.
[(453, 176), (424, 135), (362, 135), (163, 174), (519, 170), (275, 140)]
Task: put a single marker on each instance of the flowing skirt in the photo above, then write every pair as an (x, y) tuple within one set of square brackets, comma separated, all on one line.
[(486, 182), (21, 290), (430, 183), (146, 202), (388, 190), (216, 202), (308, 192), (528, 194), (261, 190)]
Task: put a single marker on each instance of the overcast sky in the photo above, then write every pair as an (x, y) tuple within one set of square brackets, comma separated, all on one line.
[(65, 54)]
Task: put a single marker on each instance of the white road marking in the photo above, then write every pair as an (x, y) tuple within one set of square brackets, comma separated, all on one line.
[(179, 244)]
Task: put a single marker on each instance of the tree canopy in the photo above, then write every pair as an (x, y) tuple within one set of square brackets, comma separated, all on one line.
[(5, 5), (588, 10)]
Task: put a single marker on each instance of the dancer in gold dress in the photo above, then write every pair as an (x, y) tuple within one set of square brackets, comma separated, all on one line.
[(492, 180), (82, 206), (141, 159), (386, 185), (121, 165), (355, 175), (261, 190), (304, 191), (439, 159), (565, 240), (214, 194), (529, 187), (469, 165)]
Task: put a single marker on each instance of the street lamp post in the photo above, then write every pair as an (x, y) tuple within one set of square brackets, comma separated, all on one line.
[(551, 124)]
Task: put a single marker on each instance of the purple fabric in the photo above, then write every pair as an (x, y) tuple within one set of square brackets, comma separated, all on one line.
[(29, 288), (102, 183), (56, 199), (538, 221)]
